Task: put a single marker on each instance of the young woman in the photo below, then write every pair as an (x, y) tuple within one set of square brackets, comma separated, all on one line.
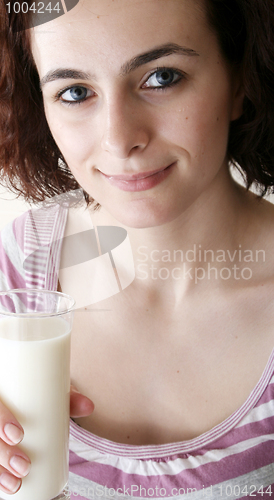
[(144, 104)]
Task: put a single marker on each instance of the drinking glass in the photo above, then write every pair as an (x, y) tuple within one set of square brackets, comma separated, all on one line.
[(35, 328)]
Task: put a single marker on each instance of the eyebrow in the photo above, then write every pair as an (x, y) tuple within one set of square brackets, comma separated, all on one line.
[(128, 67), (63, 74), (157, 53)]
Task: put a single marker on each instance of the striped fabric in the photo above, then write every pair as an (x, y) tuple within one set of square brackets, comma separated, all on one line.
[(233, 460)]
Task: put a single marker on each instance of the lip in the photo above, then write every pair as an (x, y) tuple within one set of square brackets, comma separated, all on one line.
[(139, 182), (133, 177)]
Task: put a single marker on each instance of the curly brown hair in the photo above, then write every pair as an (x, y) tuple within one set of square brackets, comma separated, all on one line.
[(31, 163)]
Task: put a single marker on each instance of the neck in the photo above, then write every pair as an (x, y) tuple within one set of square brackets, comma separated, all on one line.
[(185, 246)]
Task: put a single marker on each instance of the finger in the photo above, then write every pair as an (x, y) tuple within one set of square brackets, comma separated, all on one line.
[(8, 482), (80, 405), (14, 460), (10, 430)]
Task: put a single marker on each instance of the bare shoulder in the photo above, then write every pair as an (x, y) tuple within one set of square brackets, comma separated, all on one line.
[(255, 296), (257, 237)]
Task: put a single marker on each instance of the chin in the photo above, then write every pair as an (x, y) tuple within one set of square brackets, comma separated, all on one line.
[(142, 217)]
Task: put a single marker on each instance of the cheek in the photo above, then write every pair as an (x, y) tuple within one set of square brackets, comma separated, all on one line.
[(74, 138), (198, 125)]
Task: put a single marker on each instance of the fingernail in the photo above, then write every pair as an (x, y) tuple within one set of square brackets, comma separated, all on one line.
[(10, 482), (20, 465), (13, 433)]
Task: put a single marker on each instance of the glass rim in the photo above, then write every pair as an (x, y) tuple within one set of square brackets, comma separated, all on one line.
[(41, 291)]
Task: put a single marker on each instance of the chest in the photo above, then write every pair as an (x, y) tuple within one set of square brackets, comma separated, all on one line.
[(157, 378)]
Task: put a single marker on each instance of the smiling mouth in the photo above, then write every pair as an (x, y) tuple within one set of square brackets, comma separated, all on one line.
[(142, 181), (135, 177)]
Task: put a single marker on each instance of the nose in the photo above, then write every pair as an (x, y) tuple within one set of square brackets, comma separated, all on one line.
[(125, 129)]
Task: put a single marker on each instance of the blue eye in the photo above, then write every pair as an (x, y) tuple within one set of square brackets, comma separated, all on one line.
[(74, 95), (162, 78)]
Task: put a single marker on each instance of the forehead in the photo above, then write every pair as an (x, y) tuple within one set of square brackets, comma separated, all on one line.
[(118, 28)]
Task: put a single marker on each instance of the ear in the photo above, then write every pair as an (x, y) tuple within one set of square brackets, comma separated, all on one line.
[(238, 98)]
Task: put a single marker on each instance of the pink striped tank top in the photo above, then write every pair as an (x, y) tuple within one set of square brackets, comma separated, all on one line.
[(234, 460)]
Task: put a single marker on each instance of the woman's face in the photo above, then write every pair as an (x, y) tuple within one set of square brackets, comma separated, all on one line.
[(136, 87)]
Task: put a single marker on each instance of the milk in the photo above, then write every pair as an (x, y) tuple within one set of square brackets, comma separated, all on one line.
[(35, 385)]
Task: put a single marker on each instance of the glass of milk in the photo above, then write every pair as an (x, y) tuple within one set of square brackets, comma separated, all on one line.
[(35, 328)]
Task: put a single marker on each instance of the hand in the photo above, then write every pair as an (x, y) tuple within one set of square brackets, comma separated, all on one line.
[(80, 406), (14, 463)]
